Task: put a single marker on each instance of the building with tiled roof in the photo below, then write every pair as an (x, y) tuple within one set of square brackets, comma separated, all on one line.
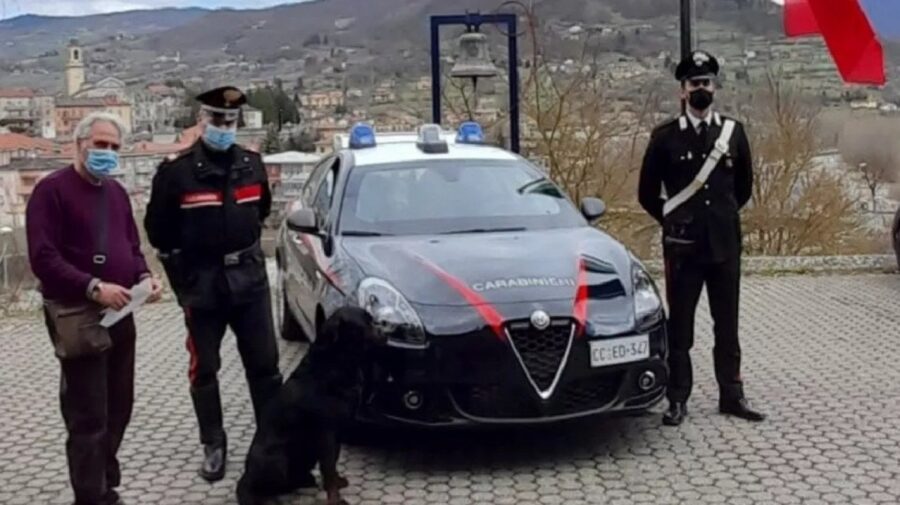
[(70, 111), (16, 145)]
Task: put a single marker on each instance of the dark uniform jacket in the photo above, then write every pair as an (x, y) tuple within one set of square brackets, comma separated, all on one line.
[(708, 224), (205, 217)]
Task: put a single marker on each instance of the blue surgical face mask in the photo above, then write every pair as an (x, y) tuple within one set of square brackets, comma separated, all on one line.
[(101, 162), (220, 139)]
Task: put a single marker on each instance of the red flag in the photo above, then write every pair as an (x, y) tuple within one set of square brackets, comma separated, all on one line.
[(849, 35), (799, 19)]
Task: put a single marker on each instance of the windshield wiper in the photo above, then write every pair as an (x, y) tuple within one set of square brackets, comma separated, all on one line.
[(484, 230), (359, 233)]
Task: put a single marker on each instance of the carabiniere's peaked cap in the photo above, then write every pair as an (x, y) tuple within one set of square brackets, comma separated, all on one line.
[(699, 64), (224, 100)]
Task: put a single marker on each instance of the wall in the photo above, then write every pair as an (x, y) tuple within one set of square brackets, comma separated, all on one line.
[(9, 199)]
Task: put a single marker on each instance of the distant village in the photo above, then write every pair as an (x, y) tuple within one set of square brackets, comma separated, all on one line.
[(36, 127)]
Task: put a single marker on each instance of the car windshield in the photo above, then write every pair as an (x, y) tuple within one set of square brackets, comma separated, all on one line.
[(445, 197)]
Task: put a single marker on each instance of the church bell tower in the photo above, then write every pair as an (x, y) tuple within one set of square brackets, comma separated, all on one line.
[(74, 68)]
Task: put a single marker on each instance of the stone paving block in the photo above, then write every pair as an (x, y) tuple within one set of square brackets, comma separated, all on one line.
[(815, 354)]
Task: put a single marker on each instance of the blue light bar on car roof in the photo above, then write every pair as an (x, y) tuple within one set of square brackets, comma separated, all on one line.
[(470, 132), (430, 141), (362, 136)]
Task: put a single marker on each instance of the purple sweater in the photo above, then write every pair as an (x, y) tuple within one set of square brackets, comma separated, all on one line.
[(60, 221)]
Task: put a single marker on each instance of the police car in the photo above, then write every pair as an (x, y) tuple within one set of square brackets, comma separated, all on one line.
[(501, 302)]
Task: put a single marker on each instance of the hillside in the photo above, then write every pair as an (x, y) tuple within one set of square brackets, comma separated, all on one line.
[(404, 22), (308, 38), (30, 36), (267, 32)]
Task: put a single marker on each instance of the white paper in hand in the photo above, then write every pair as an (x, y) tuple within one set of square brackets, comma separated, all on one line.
[(139, 294)]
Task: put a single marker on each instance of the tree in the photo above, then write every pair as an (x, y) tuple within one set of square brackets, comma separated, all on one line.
[(870, 150), (798, 207), (305, 142), (272, 142), (276, 105)]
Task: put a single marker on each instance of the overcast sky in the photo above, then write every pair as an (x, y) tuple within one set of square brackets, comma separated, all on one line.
[(12, 8)]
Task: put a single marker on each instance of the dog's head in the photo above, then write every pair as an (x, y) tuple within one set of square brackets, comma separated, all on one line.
[(350, 332)]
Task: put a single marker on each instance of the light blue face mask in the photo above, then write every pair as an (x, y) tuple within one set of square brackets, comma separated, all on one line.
[(220, 139), (101, 162)]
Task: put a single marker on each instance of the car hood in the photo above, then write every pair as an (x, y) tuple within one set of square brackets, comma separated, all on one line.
[(498, 268)]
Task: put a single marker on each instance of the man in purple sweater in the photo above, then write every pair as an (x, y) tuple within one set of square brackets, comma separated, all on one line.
[(63, 217)]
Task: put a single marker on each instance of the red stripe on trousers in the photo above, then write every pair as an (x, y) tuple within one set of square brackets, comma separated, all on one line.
[(192, 350)]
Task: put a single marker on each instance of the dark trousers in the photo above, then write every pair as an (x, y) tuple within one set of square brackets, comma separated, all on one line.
[(96, 396), (252, 325), (685, 278)]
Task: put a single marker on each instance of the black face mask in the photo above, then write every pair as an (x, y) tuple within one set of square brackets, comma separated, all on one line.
[(700, 99)]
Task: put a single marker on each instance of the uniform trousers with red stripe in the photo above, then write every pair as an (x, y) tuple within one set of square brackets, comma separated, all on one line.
[(97, 395), (254, 330), (685, 277)]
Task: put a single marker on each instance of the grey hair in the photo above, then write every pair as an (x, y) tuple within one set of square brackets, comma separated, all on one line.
[(83, 130)]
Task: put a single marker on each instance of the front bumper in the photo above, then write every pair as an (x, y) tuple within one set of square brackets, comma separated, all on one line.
[(478, 379)]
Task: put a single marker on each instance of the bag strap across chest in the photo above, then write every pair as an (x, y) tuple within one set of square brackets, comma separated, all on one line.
[(101, 230), (720, 149)]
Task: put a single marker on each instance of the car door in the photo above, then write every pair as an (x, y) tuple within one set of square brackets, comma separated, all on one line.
[(299, 279), (315, 263)]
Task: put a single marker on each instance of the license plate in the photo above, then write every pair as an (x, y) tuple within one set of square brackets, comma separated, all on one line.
[(616, 351)]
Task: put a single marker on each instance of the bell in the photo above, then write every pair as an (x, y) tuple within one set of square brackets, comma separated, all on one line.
[(474, 60)]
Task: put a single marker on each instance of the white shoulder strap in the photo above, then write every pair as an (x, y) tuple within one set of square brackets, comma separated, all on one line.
[(720, 149)]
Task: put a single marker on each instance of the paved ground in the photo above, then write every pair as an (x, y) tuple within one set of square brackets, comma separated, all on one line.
[(820, 357)]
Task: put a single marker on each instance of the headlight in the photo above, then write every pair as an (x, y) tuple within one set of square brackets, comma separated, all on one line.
[(647, 303), (393, 314)]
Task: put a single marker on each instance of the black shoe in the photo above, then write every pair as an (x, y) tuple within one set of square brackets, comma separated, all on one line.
[(676, 414), (740, 408), (214, 459)]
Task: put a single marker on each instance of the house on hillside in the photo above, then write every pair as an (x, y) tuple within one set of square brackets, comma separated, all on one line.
[(288, 172), (70, 111)]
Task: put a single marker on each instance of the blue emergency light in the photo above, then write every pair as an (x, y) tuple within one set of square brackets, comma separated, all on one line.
[(470, 132), (362, 136)]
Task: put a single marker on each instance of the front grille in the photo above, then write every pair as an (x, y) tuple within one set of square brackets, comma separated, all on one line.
[(588, 393), (495, 401), (541, 351)]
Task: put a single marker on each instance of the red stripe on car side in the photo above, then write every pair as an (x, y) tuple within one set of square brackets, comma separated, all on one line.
[(581, 297), (487, 311)]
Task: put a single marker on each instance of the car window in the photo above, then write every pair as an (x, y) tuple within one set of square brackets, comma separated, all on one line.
[(453, 196), (312, 184), (325, 191)]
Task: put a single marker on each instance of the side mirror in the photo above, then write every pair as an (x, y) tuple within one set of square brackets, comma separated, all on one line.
[(303, 221), (592, 208)]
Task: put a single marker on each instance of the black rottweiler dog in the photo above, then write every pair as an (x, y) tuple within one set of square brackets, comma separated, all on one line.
[(301, 425)]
